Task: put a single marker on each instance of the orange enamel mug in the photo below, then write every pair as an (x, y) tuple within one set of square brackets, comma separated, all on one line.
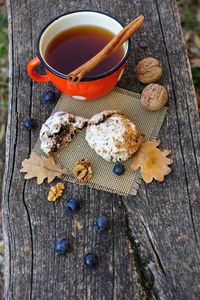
[(88, 88)]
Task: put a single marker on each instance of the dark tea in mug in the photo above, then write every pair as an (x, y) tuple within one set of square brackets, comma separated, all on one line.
[(71, 39), (73, 47)]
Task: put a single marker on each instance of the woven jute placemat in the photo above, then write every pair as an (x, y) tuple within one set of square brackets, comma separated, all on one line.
[(149, 123)]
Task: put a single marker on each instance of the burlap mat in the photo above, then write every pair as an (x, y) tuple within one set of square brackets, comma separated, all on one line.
[(103, 177)]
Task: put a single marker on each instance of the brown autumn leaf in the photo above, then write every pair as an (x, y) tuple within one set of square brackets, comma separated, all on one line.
[(153, 162), (42, 167)]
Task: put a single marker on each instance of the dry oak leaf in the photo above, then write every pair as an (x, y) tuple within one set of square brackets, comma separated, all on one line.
[(152, 161), (42, 167)]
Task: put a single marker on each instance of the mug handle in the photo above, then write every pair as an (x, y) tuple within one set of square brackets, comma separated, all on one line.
[(30, 68)]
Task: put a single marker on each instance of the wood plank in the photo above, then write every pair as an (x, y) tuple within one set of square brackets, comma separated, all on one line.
[(170, 216), (152, 246)]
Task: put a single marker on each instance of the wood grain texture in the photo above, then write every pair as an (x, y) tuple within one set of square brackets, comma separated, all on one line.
[(151, 249)]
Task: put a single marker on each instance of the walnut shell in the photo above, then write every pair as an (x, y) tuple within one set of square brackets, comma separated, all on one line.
[(154, 96), (148, 70)]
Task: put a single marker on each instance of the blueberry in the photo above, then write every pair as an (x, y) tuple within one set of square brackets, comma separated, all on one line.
[(119, 169), (61, 246), (102, 223), (30, 124), (90, 260), (73, 204), (48, 97)]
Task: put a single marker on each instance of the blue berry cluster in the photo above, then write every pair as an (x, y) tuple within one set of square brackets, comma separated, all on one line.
[(62, 245)]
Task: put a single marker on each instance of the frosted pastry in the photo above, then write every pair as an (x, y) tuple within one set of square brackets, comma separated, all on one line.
[(59, 129), (113, 136)]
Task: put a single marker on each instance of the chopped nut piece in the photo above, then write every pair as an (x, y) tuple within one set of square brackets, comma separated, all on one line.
[(56, 191), (60, 186), (82, 169)]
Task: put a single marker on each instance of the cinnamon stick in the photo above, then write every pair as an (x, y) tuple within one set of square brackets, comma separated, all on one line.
[(112, 46)]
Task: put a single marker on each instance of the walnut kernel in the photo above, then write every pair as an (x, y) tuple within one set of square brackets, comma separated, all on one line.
[(56, 191), (60, 186), (154, 96), (148, 70), (82, 169)]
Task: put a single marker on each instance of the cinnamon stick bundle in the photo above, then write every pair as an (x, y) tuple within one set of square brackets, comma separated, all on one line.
[(112, 46)]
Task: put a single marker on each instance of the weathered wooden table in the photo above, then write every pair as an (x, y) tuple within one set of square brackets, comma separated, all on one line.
[(152, 246)]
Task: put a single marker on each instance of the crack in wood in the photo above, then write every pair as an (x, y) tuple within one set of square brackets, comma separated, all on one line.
[(153, 248), (31, 237), (146, 276)]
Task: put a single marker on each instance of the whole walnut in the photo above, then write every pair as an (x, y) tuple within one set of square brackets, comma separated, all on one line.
[(148, 70), (154, 96)]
